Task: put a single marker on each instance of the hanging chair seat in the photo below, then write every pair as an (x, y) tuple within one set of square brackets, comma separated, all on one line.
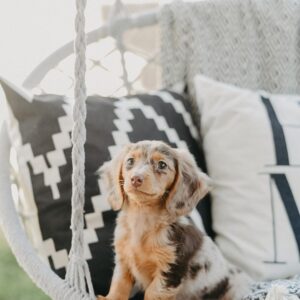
[(23, 250)]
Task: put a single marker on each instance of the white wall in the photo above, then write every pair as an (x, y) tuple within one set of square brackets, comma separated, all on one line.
[(31, 29)]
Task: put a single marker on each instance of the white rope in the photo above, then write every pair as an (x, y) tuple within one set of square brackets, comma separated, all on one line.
[(23, 250), (119, 11), (78, 274), (121, 47)]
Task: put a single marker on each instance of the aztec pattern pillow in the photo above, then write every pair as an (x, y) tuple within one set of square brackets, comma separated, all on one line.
[(251, 141), (40, 129)]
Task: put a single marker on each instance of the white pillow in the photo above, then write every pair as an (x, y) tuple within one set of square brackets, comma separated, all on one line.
[(251, 141)]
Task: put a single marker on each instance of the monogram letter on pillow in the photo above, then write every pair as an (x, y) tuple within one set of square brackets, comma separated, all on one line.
[(252, 145)]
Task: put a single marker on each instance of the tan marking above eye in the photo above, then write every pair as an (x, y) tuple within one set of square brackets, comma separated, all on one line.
[(157, 156), (135, 154)]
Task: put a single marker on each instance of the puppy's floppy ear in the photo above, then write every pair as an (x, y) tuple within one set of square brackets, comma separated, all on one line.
[(189, 186), (111, 173)]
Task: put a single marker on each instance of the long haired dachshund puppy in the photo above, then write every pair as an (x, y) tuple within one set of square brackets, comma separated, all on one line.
[(156, 245)]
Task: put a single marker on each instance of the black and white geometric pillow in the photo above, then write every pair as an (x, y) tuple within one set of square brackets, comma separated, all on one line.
[(251, 141), (40, 130)]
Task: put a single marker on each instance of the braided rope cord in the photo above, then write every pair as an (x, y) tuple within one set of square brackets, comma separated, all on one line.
[(118, 11), (78, 274)]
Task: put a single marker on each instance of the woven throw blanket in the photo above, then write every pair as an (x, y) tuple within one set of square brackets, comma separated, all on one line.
[(260, 290), (250, 43)]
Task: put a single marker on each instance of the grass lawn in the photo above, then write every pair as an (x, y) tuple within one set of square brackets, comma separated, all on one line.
[(14, 283)]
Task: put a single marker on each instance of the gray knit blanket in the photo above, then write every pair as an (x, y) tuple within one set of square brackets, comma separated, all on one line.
[(250, 43), (260, 290)]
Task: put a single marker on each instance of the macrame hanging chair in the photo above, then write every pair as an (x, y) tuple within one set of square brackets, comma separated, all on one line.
[(77, 284)]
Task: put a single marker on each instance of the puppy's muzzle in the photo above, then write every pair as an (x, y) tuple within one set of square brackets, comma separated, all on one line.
[(137, 180)]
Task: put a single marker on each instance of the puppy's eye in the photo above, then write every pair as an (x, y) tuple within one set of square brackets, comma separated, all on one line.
[(161, 165), (130, 162)]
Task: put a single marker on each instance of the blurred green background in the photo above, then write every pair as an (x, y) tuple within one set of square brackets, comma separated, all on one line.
[(14, 283)]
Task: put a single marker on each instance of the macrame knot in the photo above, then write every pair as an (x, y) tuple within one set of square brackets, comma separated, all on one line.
[(78, 274)]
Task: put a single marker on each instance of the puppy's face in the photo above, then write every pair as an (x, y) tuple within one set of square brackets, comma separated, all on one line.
[(152, 173), (148, 171)]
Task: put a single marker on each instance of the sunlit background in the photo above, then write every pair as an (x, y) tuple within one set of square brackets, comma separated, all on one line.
[(31, 30)]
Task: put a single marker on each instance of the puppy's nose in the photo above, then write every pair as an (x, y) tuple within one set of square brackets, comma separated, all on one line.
[(137, 180)]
